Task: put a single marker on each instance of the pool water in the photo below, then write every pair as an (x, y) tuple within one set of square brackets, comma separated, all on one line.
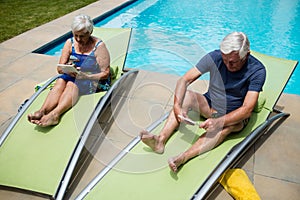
[(169, 36)]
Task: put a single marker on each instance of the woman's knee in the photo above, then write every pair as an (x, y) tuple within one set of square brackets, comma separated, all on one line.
[(72, 87), (60, 83)]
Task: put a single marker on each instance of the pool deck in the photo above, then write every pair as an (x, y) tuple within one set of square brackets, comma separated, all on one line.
[(273, 164)]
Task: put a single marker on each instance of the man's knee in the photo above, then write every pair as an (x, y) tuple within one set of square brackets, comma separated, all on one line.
[(190, 98), (190, 95), (237, 127), (195, 98)]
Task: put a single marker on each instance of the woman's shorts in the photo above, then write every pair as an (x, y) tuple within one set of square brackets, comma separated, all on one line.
[(87, 86)]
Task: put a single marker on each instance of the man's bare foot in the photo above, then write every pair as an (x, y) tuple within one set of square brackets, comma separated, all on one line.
[(47, 120), (152, 141), (35, 116), (176, 162)]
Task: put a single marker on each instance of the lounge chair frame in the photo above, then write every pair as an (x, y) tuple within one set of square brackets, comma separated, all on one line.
[(123, 153), (205, 189), (230, 160), (234, 156), (120, 57), (24, 108), (87, 130)]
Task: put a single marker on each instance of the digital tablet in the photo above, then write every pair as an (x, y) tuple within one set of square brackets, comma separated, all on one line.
[(189, 121), (68, 68)]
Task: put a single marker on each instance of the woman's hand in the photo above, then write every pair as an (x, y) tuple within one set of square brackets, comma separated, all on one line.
[(73, 74), (82, 75), (59, 70)]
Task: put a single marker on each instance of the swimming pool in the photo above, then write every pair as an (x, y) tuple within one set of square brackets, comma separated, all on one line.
[(170, 37)]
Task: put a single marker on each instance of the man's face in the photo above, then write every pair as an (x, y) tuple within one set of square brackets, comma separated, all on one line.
[(233, 61)]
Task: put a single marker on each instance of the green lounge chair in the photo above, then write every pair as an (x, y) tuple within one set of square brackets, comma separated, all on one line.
[(42, 160), (138, 173)]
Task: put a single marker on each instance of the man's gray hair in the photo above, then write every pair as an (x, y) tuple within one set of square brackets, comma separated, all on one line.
[(235, 41), (82, 22)]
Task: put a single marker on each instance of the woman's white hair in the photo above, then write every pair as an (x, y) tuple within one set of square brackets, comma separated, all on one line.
[(82, 22), (235, 41)]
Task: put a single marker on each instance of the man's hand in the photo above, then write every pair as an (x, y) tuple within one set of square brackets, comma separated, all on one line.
[(188, 120), (177, 111), (180, 91), (213, 124)]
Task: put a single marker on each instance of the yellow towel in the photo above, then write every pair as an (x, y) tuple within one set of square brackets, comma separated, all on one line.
[(238, 185)]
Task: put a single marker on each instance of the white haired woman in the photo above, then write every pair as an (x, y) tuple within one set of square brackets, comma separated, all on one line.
[(91, 58), (236, 78)]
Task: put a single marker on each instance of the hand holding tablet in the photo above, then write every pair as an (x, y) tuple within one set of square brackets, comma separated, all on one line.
[(187, 120), (68, 68)]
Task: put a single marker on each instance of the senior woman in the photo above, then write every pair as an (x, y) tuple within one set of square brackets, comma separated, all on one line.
[(91, 58)]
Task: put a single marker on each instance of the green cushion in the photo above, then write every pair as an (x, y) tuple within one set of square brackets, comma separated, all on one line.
[(38, 86), (141, 165), (114, 72), (259, 104)]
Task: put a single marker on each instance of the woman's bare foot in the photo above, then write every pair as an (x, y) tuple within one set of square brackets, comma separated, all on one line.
[(35, 116), (152, 141), (176, 162), (47, 120)]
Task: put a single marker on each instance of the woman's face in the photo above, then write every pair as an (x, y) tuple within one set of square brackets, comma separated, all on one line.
[(82, 36)]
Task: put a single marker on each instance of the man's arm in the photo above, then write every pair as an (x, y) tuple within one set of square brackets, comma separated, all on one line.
[(181, 87), (233, 117), (244, 111)]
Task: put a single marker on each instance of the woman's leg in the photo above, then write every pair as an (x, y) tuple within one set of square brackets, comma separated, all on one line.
[(51, 101), (68, 98)]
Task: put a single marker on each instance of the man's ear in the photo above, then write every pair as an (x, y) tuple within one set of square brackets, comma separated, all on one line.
[(248, 53)]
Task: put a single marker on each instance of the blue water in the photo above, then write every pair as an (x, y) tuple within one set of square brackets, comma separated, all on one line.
[(170, 36)]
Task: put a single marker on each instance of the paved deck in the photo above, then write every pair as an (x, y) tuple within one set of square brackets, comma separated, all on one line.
[(273, 164)]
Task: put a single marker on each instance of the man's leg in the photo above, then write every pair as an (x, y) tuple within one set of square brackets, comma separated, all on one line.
[(197, 102), (157, 142), (205, 143)]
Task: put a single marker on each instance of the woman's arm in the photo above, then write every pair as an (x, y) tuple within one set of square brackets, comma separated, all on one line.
[(103, 60), (65, 55)]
